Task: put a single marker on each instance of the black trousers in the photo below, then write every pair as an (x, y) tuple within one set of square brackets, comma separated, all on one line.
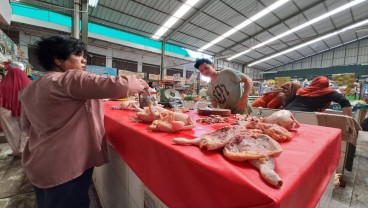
[(72, 194)]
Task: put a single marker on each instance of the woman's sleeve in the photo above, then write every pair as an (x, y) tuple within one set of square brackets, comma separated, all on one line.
[(340, 99), (83, 85), (24, 122)]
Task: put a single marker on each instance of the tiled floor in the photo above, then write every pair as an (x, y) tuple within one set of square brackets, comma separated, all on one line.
[(15, 189), (355, 193), (16, 192)]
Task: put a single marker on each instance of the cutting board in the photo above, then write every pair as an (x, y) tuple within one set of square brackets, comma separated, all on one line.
[(214, 111)]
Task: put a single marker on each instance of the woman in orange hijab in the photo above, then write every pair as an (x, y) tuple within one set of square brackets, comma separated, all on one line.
[(278, 98), (317, 97)]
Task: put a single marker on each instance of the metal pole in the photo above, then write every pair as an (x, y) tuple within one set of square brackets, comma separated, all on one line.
[(162, 59), (84, 32), (76, 18)]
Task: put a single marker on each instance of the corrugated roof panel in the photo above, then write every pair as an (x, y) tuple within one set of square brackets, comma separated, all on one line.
[(267, 20), (318, 46), (291, 39), (348, 36), (333, 4), (295, 21), (306, 51), (255, 55), (264, 36), (276, 62), (362, 34), (239, 48), (198, 32), (278, 45), (324, 26), (245, 59), (266, 50), (307, 33), (285, 59), (303, 3), (250, 42), (315, 11), (343, 19), (281, 12), (213, 25), (360, 11), (252, 29), (333, 41), (238, 36), (278, 29), (224, 13), (294, 55), (264, 65), (248, 7)]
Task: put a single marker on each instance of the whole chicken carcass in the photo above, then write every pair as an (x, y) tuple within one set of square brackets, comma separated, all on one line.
[(283, 118), (258, 151), (242, 145), (150, 113), (172, 122), (213, 140), (275, 131), (127, 105)]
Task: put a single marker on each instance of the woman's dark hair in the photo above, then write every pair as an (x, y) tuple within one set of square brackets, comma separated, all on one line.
[(202, 61), (150, 83), (60, 47)]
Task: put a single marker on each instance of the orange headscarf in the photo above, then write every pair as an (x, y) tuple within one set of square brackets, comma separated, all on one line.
[(318, 87)]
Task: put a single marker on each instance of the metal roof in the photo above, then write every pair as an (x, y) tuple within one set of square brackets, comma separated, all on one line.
[(209, 19)]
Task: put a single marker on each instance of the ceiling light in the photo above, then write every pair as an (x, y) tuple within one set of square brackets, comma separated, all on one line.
[(311, 42), (317, 19), (93, 3), (245, 23), (174, 18)]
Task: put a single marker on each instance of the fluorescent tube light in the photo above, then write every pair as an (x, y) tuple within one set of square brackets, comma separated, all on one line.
[(174, 18), (310, 42), (245, 23), (93, 3), (317, 19)]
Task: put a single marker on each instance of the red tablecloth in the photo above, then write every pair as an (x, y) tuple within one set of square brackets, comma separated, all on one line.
[(185, 176)]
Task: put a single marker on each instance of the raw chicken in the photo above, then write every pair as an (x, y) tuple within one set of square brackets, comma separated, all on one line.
[(150, 113), (127, 105), (245, 147), (213, 140), (172, 122), (242, 145), (258, 151), (275, 131), (266, 167), (283, 118)]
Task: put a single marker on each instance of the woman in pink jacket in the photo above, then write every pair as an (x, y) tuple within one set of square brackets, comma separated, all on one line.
[(63, 116)]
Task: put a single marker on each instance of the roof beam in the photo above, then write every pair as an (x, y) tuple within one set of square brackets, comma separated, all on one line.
[(271, 26), (366, 37), (208, 4)]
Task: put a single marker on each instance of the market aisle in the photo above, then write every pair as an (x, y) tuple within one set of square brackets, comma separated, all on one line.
[(355, 193), (15, 189)]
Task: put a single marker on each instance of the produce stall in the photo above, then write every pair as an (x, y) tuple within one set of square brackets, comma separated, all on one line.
[(185, 176)]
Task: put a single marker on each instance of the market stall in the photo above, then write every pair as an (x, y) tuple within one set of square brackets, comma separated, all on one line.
[(185, 176)]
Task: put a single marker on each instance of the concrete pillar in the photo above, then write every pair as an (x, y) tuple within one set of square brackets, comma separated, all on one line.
[(109, 57)]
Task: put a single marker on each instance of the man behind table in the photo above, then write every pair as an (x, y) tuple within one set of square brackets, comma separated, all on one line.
[(226, 89)]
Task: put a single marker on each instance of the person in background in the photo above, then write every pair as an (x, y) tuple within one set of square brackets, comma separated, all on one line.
[(10, 108), (279, 97), (152, 91), (318, 97), (63, 116), (225, 89)]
